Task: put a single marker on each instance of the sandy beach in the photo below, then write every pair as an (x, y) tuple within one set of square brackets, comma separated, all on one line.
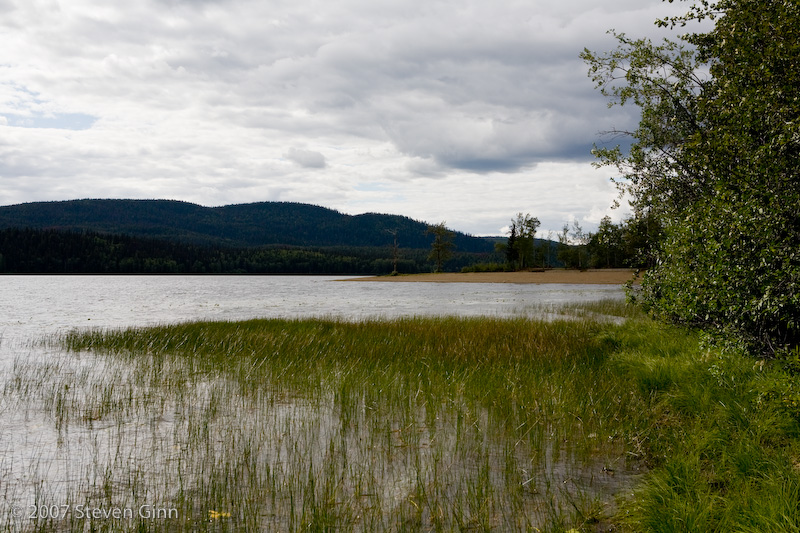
[(613, 276)]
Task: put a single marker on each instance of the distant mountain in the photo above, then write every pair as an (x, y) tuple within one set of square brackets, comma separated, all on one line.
[(241, 225)]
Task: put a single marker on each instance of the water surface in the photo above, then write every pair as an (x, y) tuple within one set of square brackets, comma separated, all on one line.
[(40, 457), (32, 306)]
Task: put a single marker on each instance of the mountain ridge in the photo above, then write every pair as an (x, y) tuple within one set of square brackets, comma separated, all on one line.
[(237, 225)]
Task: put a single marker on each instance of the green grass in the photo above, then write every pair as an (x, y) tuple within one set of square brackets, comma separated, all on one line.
[(721, 437), (433, 424)]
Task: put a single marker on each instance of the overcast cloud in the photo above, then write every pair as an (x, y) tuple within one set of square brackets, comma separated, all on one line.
[(462, 111)]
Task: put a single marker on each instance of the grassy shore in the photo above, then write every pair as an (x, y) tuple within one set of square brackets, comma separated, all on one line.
[(421, 424)]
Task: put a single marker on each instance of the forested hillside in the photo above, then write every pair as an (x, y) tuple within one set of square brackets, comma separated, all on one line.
[(69, 252), (243, 225)]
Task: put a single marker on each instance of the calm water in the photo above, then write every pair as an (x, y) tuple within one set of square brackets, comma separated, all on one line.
[(32, 306)]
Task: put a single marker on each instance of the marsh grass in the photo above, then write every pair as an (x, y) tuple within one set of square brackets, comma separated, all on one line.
[(434, 424), (720, 435)]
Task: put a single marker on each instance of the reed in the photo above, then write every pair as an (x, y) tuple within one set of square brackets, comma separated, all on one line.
[(439, 424)]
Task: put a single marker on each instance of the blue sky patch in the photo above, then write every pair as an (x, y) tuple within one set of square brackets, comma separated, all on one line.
[(60, 121)]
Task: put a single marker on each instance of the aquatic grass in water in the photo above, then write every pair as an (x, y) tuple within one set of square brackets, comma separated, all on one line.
[(410, 424), (434, 423)]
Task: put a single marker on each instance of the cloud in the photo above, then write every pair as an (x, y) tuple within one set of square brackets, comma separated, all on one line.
[(306, 158), (199, 100)]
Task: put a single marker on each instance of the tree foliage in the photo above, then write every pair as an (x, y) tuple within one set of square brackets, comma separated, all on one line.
[(607, 246), (520, 248), (442, 245), (714, 160), (626, 244), (572, 246)]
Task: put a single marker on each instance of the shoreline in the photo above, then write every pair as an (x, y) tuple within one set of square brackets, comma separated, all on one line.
[(611, 276)]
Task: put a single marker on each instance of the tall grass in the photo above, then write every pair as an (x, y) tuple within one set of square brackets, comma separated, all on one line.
[(722, 438), (435, 424)]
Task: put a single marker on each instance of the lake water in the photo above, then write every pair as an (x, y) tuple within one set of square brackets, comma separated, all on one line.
[(33, 306), (36, 455)]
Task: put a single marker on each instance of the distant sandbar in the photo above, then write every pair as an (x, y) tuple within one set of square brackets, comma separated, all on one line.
[(611, 276)]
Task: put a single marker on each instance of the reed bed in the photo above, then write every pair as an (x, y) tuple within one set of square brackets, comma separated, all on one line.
[(413, 424)]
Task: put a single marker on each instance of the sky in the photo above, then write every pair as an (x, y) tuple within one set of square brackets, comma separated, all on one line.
[(457, 111)]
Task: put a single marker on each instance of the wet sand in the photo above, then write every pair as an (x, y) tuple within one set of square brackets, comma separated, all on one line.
[(613, 276)]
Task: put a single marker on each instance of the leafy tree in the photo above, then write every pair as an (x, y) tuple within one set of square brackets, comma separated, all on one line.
[(642, 235), (715, 160), (606, 246), (510, 248), (628, 244), (526, 233), (564, 253), (520, 248), (572, 244), (580, 239), (442, 245)]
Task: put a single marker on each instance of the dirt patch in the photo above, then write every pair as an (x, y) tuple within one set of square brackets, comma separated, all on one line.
[(611, 276)]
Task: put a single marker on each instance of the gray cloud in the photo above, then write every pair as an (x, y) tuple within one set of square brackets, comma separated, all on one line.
[(306, 158), (198, 99)]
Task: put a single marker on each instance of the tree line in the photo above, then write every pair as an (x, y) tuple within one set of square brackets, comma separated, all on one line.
[(627, 244), (28, 250)]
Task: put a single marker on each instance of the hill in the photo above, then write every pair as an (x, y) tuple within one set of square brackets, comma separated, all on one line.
[(241, 225)]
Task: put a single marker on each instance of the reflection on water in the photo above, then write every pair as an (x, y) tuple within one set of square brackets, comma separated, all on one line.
[(76, 429)]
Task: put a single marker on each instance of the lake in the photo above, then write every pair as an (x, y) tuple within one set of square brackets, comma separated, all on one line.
[(33, 306), (43, 459)]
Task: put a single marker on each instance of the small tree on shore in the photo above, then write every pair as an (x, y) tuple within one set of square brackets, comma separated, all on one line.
[(526, 228), (572, 246), (520, 249), (510, 248), (442, 245)]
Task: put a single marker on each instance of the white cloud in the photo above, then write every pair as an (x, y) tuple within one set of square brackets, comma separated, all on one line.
[(436, 109)]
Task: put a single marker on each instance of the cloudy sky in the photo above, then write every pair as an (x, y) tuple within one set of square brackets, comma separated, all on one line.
[(464, 111)]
